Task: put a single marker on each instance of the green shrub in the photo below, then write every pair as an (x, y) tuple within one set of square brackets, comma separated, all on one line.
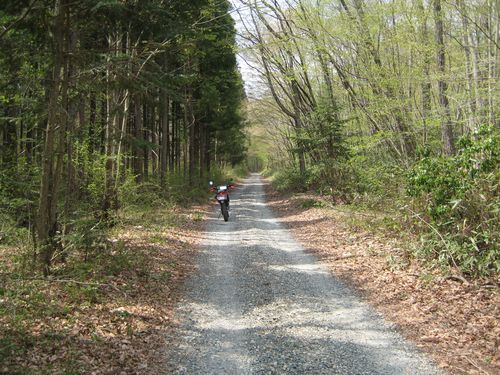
[(332, 177), (327, 178), (456, 200), (289, 180), (19, 186), (375, 183), (311, 203)]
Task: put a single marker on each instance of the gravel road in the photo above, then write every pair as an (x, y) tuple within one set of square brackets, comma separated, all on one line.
[(259, 304)]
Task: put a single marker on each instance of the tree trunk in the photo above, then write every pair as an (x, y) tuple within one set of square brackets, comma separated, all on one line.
[(154, 141), (446, 125), (191, 125), (93, 131), (110, 199), (426, 85), (102, 127), (138, 135), (165, 142), (298, 128), (70, 107), (175, 157), (46, 226), (476, 74), (493, 42), (145, 138), (123, 130), (124, 115), (468, 66)]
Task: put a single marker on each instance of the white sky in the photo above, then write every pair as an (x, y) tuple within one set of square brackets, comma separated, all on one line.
[(253, 84)]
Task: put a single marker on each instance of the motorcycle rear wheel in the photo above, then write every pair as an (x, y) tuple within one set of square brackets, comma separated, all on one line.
[(225, 212)]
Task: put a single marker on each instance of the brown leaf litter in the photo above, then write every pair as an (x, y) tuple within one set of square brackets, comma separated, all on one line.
[(123, 330), (456, 323)]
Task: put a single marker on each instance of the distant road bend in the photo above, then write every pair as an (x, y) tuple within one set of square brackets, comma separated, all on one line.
[(259, 304)]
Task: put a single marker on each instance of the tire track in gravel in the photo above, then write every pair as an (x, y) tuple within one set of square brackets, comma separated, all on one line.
[(260, 304)]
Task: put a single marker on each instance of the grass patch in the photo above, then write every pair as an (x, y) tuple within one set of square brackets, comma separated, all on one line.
[(197, 216), (313, 203)]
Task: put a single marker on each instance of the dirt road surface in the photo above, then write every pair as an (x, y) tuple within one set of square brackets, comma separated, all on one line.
[(259, 304)]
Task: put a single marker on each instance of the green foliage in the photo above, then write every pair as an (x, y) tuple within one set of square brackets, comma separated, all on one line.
[(237, 171), (310, 203), (289, 180), (18, 192), (375, 183), (457, 199), (324, 132), (132, 193), (327, 177), (326, 153), (92, 181), (331, 177), (197, 216), (396, 262), (256, 163), (85, 237)]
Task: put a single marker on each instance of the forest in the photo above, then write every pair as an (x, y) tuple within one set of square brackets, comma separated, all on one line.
[(390, 105), (99, 98), (115, 114)]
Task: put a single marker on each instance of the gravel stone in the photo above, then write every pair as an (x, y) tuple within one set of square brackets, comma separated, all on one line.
[(259, 304)]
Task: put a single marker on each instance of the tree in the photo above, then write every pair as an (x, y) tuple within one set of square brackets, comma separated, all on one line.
[(446, 127), (113, 90), (375, 62)]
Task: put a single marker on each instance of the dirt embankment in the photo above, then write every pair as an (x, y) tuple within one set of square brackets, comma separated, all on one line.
[(457, 323)]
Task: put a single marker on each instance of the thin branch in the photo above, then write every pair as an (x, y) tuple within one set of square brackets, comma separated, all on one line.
[(23, 16)]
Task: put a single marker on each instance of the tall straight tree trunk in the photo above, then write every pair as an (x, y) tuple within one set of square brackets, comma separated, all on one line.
[(154, 141), (124, 117), (201, 142), (446, 125), (71, 108), (196, 146), (145, 137), (175, 156), (493, 63), (476, 74), (208, 151), (468, 65), (93, 132), (30, 145), (124, 120), (138, 133), (297, 121), (110, 200), (165, 141), (46, 225), (190, 124), (426, 85), (185, 145)]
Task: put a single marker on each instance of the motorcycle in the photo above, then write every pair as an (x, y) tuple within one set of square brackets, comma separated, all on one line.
[(222, 196)]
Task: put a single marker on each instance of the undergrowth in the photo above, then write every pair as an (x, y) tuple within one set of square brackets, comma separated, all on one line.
[(445, 208), (92, 260), (455, 203), (97, 265)]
